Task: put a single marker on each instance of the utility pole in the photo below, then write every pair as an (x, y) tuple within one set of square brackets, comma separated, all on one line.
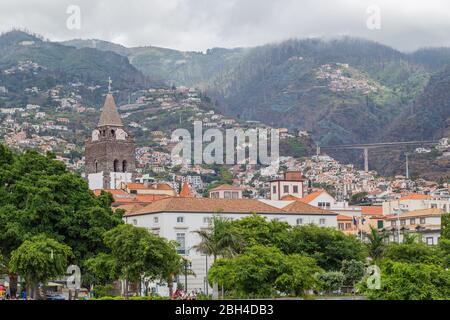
[(407, 166), (366, 159)]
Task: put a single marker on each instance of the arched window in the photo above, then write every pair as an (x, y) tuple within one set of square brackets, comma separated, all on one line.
[(116, 166), (124, 166), (96, 166), (113, 133)]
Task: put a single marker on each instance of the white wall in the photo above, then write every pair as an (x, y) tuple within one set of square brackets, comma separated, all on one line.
[(168, 227), (95, 180)]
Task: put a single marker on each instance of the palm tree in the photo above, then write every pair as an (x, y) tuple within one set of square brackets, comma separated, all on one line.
[(376, 243), (218, 241)]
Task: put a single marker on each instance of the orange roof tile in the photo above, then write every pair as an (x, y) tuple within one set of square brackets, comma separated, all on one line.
[(301, 207), (415, 196), (372, 210), (432, 212), (185, 190), (341, 217), (208, 205), (290, 198), (310, 197), (225, 187)]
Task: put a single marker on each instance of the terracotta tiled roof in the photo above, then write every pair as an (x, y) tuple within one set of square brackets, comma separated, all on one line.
[(149, 198), (415, 196), (137, 186), (225, 187), (372, 210), (185, 190), (301, 207), (433, 212), (290, 198), (129, 207), (310, 197), (142, 186), (341, 217), (110, 116), (208, 205)]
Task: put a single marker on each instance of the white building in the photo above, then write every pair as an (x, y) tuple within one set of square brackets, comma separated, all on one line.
[(425, 222), (291, 184), (178, 218)]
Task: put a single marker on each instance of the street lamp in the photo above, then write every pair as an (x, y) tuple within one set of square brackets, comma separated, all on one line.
[(187, 265)]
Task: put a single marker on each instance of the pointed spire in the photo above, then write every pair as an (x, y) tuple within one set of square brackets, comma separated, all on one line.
[(185, 190), (110, 116)]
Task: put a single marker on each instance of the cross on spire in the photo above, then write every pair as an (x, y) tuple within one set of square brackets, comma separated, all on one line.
[(109, 84)]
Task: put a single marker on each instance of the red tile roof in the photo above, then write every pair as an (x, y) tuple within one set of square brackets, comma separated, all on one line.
[(415, 196), (372, 210), (310, 197), (226, 187), (208, 205)]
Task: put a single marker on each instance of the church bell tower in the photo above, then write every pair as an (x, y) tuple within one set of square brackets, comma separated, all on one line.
[(110, 151)]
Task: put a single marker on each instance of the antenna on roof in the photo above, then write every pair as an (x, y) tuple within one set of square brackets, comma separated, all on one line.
[(109, 84)]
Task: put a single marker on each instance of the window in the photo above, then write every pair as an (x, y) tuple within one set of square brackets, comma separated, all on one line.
[(96, 166), (422, 220), (227, 195), (235, 195), (181, 240), (214, 195), (116, 165), (324, 205), (393, 223), (155, 219), (433, 206), (341, 226), (286, 189), (274, 189), (180, 219), (295, 189), (155, 232), (207, 220), (348, 226), (430, 241), (402, 222), (299, 221), (135, 222), (322, 221), (124, 166), (412, 221), (133, 191)]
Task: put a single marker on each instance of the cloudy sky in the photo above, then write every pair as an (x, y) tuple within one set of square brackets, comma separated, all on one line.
[(201, 24)]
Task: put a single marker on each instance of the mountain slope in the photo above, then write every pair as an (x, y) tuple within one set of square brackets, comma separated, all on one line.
[(63, 64)]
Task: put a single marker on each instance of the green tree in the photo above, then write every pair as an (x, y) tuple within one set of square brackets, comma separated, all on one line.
[(138, 253), (415, 252), (257, 230), (250, 274), (219, 240), (358, 198), (39, 195), (445, 226), (39, 259), (376, 243), (411, 281), (327, 245), (298, 275), (353, 271), (330, 281)]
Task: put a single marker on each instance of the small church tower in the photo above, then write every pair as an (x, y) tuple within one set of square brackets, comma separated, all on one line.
[(110, 151)]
